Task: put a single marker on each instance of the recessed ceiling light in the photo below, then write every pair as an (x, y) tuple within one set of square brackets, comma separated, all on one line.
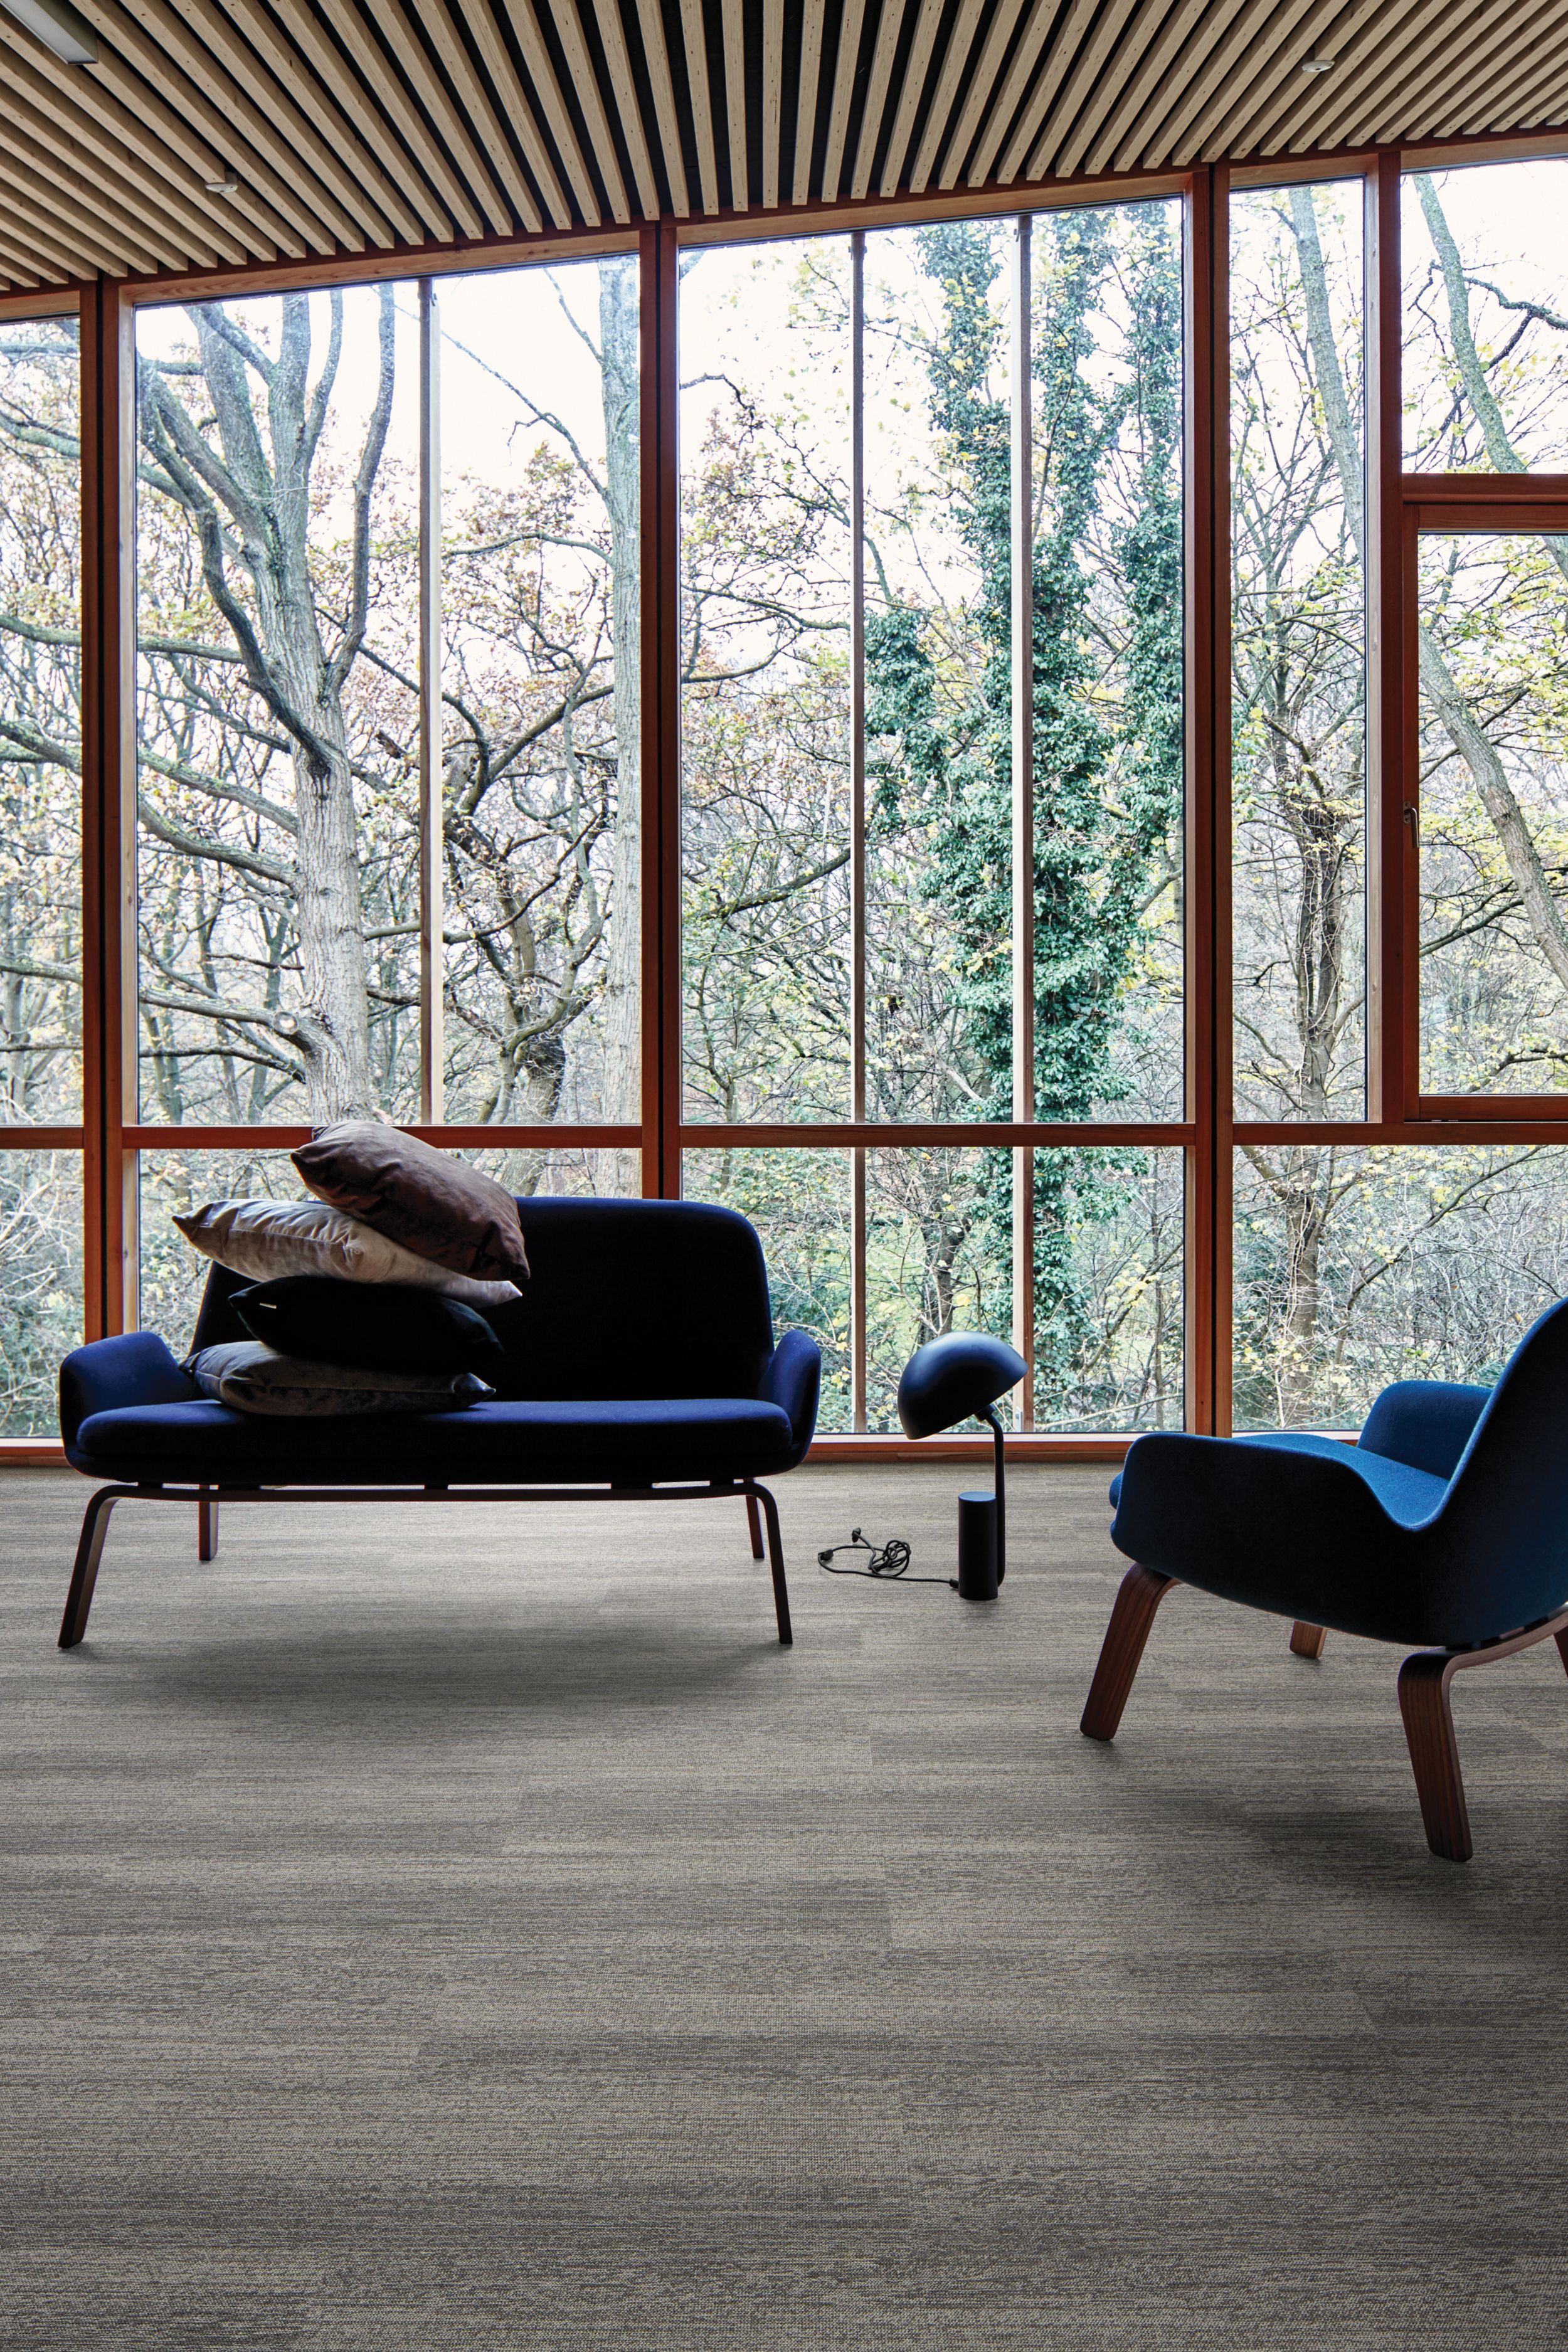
[(58, 26), (1318, 65), (227, 186)]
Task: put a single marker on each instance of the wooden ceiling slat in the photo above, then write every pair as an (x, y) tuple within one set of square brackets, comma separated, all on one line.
[(844, 67), (1035, 152), (93, 162), (407, 53), (1503, 102), (81, 204), (1343, 40), (163, 169), (982, 83), (694, 39), (773, 99), (372, 64), (1473, 64), (547, 90), (655, 54), (1184, 103), (623, 84), (482, 119), (945, 84), (138, 72), (1389, 31), (237, 91), (23, 269), (585, 89), (873, 113), (496, 59), (1178, 37), (1099, 102), (911, 91), (32, 234), (1316, 35), (733, 25), (1273, 53), (369, 123), (1405, 60), (1027, 52)]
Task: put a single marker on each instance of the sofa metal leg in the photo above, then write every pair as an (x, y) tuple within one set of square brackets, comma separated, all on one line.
[(754, 1522), (89, 1552), (1138, 1597), (206, 1524), (776, 1562), (1307, 1641), (1423, 1702)]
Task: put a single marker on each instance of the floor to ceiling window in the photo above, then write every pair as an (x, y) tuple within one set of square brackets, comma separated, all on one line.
[(744, 714)]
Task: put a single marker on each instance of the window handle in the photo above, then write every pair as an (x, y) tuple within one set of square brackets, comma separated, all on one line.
[(1413, 819)]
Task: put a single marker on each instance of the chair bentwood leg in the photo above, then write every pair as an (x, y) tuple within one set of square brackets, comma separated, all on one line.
[(89, 1552), (1138, 1597), (775, 1559), (1307, 1641), (1424, 1681), (754, 1522)]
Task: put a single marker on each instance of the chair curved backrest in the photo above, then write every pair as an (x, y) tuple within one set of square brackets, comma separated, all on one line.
[(1504, 1520)]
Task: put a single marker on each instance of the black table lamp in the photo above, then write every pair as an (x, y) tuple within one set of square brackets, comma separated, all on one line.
[(947, 1381)]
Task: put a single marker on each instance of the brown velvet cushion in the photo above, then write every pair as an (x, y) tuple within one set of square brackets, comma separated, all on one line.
[(431, 1203)]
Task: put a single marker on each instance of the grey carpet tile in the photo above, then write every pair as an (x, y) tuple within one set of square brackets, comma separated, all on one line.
[(465, 1928)]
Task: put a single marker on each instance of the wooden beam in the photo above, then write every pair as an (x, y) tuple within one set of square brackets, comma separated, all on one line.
[(547, 90), (806, 95), (982, 83), (1024, 55), (482, 119), (656, 56), (88, 163), (26, 265), (371, 62), (585, 87), (371, 123), (618, 58), (1341, 40), (1391, 28), (1097, 53), (85, 203), (773, 99), (29, 213), (1177, 36), (1274, 51), (694, 37), (732, 20), (873, 114), (1320, 33), (407, 52), (945, 85), (1491, 68), (1187, 99), (1401, 87), (1514, 99)]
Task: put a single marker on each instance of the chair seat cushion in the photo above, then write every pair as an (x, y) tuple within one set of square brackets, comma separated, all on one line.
[(636, 1442), (1409, 1496)]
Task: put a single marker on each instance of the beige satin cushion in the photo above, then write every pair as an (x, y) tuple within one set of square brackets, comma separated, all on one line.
[(268, 1238), (254, 1378)]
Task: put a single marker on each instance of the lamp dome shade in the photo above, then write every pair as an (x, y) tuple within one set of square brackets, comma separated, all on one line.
[(953, 1377)]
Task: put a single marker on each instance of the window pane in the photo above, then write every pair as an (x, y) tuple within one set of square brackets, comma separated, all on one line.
[(1107, 343), (1359, 1267), (1109, 1318), (765, 487), (938, 757), (170, 1184), (800, 1203), (938, 1257), (1298, 651), (40, 724), (1486, 319), (278, 569), (40, 1284), (1494, 813), (572, 1172), (541, 748)]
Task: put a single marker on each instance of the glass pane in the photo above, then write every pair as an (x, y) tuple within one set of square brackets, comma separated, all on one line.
[(800, 1203), (766, 556), (1298, 651), (1360, 1266), (1110, 1316), (278, 719), (1107, 342), (1486, 319), (173, 1275), (1494, 813), (40, 724), (571, 1170), (939, 756), (938, 1257), (541, 750), (40, 1284)]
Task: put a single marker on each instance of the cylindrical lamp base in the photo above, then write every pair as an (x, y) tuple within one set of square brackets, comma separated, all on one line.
[(977, 1547)]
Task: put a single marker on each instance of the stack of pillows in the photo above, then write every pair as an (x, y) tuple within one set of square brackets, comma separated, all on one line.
[(370, 1296)]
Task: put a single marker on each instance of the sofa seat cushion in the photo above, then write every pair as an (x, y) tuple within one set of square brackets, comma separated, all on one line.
[(636, 1442), (1408, 1495)]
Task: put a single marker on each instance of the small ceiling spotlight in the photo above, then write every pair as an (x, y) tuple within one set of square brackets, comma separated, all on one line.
[(58, 26), (227, 186), (1318, 65)]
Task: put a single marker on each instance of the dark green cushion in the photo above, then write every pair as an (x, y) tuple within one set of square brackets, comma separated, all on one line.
[(374, 1326)]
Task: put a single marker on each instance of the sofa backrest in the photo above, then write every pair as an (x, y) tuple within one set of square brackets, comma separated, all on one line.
[(1504, 1520), (627, 1298)]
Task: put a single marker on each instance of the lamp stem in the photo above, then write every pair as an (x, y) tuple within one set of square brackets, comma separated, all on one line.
[(990, 1415)]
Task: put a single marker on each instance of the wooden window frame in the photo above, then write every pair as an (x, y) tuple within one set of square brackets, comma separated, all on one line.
[(111, 1137)]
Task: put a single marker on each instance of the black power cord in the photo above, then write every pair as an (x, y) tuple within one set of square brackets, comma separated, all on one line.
[(888, 1563)]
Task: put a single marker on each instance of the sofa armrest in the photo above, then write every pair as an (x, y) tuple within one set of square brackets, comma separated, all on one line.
[(135, 1369), (1426, 1424), (793, 1379)]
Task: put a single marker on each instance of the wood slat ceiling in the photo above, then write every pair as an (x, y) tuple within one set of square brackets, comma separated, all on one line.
[(213, 132)]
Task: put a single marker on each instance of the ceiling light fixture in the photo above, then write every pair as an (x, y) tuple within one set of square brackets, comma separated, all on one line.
[(1318, 65), (227, 186), (60, 28)]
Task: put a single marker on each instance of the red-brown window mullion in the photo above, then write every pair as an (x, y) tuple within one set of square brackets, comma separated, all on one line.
[(659, 454), (1391, 1066)]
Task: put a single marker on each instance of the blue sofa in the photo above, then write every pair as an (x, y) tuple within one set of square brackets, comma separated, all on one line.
[(640, 1363)]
